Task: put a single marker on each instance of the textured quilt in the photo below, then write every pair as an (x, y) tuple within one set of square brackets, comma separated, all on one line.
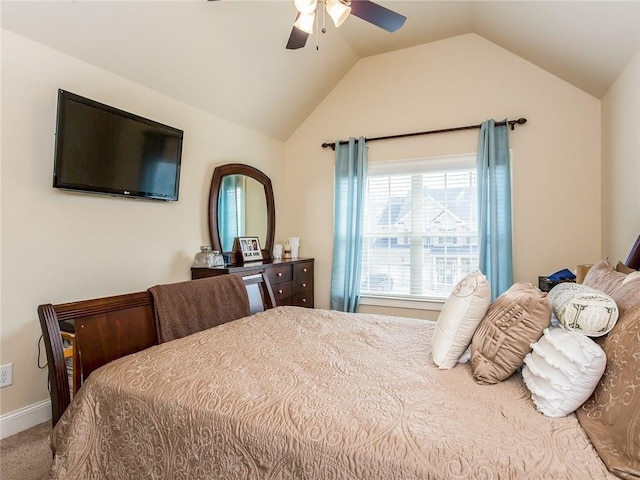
[(295, 393)]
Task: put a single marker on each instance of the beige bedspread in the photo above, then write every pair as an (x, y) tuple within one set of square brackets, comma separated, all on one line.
[(295, 393)]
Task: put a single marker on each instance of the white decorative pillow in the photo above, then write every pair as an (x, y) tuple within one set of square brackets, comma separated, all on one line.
[(460, 316), (562, 371), (583, 309)]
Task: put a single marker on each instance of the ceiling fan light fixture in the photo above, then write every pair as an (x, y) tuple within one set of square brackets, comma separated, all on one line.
[(338, 10), (305, 22), (306, 7)]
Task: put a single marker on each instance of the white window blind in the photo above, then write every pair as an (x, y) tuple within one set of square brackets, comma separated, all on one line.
[(420, 227)]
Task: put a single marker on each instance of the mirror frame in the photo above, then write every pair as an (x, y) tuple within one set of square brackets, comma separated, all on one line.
[(214, 194)]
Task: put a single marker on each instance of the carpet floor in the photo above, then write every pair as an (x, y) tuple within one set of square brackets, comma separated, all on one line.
[(26, 455)]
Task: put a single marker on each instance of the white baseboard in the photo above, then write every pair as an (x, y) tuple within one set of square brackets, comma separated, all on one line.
[(24, 418)]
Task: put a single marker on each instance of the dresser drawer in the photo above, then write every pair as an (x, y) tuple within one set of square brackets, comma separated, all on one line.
[(302, 278), (303, 299), (279, 274), (282, 292)]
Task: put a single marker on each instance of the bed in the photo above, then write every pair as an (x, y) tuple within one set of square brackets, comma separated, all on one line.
[(289, 392)]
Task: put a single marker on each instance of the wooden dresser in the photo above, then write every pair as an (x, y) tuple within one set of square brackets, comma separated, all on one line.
[(291, 280)]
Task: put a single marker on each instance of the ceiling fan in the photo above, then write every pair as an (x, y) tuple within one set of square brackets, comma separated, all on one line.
[(339, 11)]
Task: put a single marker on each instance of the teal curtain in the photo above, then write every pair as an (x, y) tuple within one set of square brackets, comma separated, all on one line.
[(231, 210), (350, 183), (494, 207)]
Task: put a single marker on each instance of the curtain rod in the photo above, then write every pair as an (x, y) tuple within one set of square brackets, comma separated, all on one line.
[(512, 124)]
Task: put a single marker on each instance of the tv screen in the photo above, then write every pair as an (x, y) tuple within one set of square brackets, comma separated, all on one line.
[(101, 149)]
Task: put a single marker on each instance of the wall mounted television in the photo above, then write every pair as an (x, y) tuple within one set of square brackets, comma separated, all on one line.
[(101, 149)]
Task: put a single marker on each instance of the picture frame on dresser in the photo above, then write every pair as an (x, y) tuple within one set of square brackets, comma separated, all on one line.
[(248, 248)]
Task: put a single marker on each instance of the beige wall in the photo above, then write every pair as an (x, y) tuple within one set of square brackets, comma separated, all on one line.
[(455, 82), (621, 163), (59, 246)]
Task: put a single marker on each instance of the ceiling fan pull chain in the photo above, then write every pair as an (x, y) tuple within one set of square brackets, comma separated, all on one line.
[(324, 13), (317, 35)]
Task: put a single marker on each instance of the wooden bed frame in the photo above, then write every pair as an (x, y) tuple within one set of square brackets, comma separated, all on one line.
[(109, 328)]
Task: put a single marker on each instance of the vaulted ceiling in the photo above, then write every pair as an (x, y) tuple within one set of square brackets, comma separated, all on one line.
[(229, 58)]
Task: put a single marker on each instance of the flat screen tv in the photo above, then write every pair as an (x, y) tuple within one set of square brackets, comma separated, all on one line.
[(101, 149)]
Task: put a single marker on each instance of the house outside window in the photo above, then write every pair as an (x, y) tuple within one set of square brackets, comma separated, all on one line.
[(420, 231)]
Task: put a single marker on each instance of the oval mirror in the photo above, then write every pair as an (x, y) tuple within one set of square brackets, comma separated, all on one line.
[(241, 205)]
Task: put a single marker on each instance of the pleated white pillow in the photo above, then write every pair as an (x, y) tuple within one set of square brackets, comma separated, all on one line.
[(562, 371), (460, 316)]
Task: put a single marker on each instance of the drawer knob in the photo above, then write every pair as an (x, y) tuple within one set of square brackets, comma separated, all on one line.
[(279, 274), (304, 300), (304, 284), (304, 269), (280, 291)]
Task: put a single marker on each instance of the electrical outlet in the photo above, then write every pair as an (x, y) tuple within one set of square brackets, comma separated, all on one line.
[(6, 375)]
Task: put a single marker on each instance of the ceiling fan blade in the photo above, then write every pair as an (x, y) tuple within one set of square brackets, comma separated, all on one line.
[(377, 14), (297, 39)]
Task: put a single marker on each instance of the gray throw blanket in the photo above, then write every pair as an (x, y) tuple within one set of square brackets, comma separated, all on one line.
[(188, 307)]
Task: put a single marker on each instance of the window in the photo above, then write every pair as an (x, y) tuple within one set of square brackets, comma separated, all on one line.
[(420, 227)]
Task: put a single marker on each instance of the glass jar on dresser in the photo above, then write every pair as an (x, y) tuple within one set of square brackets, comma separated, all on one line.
[(291, 280)]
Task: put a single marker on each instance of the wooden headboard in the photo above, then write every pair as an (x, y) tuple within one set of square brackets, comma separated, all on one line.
[(633, 260), (109, 328)]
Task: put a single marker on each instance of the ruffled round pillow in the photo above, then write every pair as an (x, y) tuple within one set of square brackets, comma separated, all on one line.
[(562, 371), (583, 309)]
